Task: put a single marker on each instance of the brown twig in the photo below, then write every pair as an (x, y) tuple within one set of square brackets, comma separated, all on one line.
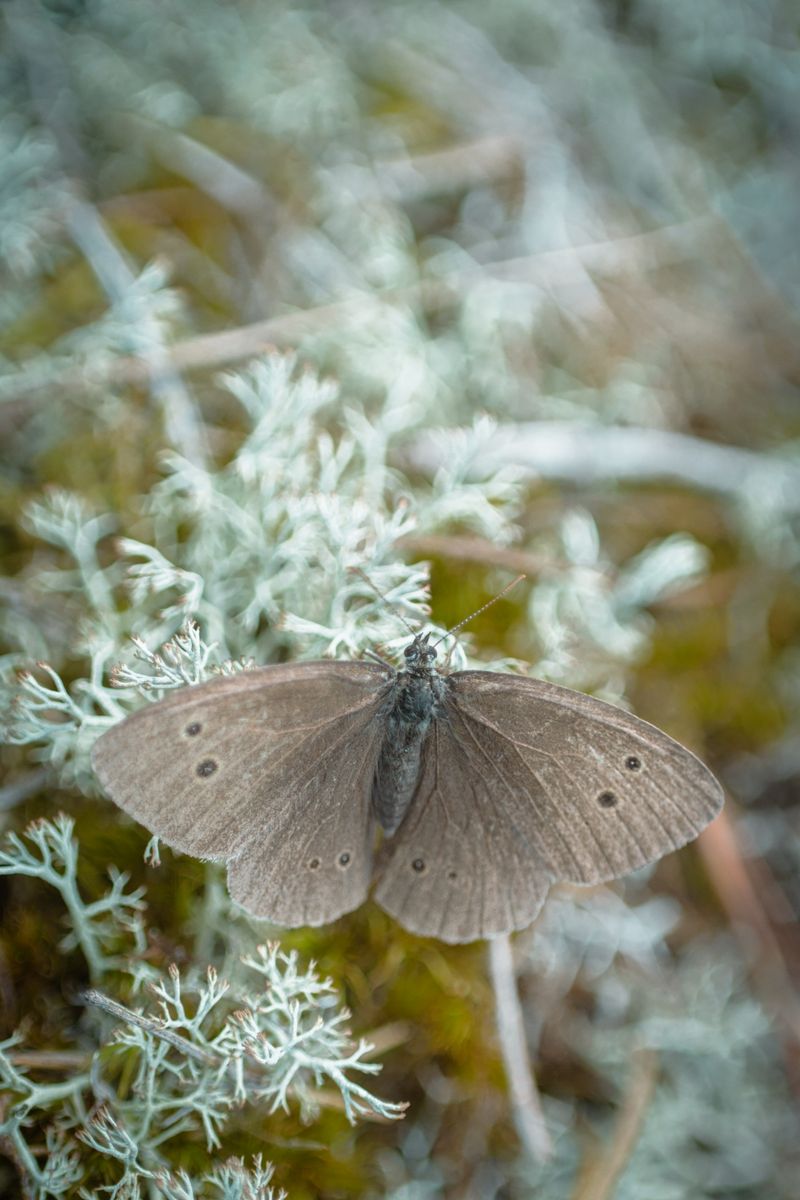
[(601, 1173), (20, 788), (473, 549), (394, 1034), (748, 909), (113, 1008), (554, 268), (454, 169), (50, 1060)]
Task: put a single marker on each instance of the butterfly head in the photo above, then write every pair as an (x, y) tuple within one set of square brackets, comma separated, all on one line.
[(420, 656)]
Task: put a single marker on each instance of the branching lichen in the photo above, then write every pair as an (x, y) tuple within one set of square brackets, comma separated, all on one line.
[(273, 1034)]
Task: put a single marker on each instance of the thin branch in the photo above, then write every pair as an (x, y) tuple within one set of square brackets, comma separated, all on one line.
[(50, 1060), (233, 188), (455, 169), (548, 269), (152, 1026), (115, 1009), (747, 891), (473, 550), (599, 1180), (526, 1105)]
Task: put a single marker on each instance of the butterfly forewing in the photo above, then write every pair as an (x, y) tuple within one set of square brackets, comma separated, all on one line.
[(598, 791), (258, 768)]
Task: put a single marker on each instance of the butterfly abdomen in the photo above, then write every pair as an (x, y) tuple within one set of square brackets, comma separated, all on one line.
[(415, 701)]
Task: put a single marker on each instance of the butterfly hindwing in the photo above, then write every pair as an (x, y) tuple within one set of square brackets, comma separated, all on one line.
[(312, 861), (457, 868)]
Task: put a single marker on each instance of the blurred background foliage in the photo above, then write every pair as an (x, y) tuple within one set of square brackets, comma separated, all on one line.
[(286, 290)]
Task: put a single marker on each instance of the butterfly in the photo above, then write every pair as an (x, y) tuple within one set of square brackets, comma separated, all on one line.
[(459, 798)]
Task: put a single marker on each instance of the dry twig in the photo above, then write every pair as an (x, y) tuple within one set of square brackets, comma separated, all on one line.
[(526, 1105), (598, 1179)]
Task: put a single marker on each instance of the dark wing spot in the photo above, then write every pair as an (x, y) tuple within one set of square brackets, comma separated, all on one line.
[(206, 767), (607, 799), (452, 875), (633, 763), (314, 864), (344, 859), (193, 729), (418, 864)]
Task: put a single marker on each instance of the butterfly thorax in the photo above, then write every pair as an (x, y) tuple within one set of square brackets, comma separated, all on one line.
[(417, 695)]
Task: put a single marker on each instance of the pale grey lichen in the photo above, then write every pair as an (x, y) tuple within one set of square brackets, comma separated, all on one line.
[(227, 578), (592, 615), (200, 1049)]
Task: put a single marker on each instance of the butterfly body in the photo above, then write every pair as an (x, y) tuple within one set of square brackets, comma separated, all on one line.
[(417, 698), (488, 788)]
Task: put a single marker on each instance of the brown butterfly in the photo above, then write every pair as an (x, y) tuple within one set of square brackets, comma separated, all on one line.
[(487, 788)]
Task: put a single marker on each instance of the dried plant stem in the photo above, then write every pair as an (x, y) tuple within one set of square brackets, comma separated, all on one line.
[(115, 1009), (747, 890), (206, 926), (51, 1060), (454, 169), (602, 1174), (475, 550), (526, 1105), (555, 268)]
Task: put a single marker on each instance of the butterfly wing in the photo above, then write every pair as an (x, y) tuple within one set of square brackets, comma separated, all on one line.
[(270, 769), (525, 783), (456, 868)]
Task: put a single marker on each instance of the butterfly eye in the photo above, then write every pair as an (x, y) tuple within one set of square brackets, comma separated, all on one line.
[(410, 651)]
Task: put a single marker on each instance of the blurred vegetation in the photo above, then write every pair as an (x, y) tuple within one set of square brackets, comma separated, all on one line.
[(286, 290)]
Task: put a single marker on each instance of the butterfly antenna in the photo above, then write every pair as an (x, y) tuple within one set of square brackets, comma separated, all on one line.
[(384, 597), (483, 608)]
